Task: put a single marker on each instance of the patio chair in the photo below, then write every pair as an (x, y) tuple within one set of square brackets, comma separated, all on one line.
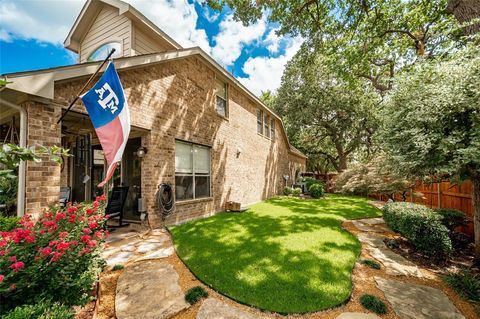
[(116, 204), (64, 195)]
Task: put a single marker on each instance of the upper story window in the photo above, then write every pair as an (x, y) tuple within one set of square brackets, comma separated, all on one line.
[(221, 98), (259, 121), (272, 129), (192, 171), (267, 125), (102, 52)]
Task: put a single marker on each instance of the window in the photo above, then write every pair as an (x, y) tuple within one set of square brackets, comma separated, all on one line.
[(267, 125), (192, 171), (221, 98), (272, 128), (259, 121), (102, 52)]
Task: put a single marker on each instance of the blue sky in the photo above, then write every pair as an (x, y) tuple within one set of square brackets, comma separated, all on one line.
[(32, 33)]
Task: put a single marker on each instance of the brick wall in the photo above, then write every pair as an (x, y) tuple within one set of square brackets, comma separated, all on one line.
[(175, 100), (43, 178)]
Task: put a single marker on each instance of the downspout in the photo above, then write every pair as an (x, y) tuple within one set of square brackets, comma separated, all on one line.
[(21, 167)]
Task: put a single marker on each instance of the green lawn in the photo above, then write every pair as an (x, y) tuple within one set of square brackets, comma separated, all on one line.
[(286, 255)]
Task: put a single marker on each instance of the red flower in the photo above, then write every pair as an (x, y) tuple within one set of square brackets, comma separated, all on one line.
[(50, 224), (29, 239), (12, 258), (63, 235), (98, 234), (72, 219), (89, 211), (1, 278), (93, 225), (84, 251), (101, 198), (72, 209), (17, 265), (46, 251), (60, 215), (86, 230), (63, 246), (56, 255), (74, 242), (2, 252), (92, 243), (85, 238), (12, 287), (48, 214), (3, 243)]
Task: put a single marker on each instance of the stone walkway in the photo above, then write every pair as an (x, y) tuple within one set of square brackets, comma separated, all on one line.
[(409, 301)]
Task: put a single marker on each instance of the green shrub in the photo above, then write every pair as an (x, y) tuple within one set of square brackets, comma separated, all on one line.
[(56, 258), (371, 263), (8, 223), (466, 284), (374, 304), (296, 192), (117, 267), (287, 191), (452, 218), (41, 310), (309, 181), (194, 294), (421, 226), (316, 190)]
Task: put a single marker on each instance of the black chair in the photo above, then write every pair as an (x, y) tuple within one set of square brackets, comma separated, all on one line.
[(116, 204)]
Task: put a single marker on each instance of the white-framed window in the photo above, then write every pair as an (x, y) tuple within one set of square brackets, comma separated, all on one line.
[(221, 104), (272, 128), (267, 125), (192, 171), (259, 121), (102, 51)]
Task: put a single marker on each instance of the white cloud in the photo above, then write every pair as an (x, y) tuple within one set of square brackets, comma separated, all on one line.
[(232, 36), (210, 14), (177, 18), (273, 41), (45, 21), (4, 36), (265, 73)]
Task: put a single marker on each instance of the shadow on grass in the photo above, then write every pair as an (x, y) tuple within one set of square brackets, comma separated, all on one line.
[(285, 255)]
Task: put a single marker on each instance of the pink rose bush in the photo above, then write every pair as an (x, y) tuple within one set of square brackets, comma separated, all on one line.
[(56, 258)]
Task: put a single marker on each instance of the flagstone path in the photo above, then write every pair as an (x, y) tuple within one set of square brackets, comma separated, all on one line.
[(216, 309)]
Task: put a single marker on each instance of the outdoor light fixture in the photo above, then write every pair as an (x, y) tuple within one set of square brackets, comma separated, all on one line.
[(141, 152)]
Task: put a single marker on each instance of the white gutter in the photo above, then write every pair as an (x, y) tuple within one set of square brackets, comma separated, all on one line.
[(21, 167)]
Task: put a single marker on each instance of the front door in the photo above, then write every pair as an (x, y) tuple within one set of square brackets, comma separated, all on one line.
[(131, 169)]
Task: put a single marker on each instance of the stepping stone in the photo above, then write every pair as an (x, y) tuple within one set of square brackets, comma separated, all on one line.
[(159, 254), (372, 221), (395, 264), (144, 248), (411, 301), (374, 241), (365, 227), (357, 315), (148, 290), (216, 309)]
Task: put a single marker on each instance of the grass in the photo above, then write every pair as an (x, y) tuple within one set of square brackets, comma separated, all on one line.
[(195, 294), (373, 303), (286, 255), (465, 283)]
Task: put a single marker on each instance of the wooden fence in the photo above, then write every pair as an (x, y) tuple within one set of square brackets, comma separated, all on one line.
[(443, 195)]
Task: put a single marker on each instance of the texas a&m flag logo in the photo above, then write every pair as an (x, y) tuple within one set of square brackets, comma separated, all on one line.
[(108, 110)]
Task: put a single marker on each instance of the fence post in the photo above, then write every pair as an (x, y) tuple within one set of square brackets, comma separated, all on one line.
[(439, 194)]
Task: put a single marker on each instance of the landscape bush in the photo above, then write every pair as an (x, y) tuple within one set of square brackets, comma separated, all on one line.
[(56, 258), (371, 263), (8, 223), (373, 303), (195, 294), (41, 310), (296, 192), (452, 218), (421, 226), (287, 191), (316, 190), (465, 283)]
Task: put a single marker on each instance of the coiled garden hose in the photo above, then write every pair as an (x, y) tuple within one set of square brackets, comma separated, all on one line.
[(165, 199)]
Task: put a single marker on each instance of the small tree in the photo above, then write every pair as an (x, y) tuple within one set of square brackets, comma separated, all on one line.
[(432, 123)]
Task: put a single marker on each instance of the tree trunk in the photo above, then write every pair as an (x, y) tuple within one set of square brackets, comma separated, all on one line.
[(476, 214), (342, 162), (464, 11)]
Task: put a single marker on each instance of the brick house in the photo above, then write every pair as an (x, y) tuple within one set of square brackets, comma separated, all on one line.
[(196, 126)]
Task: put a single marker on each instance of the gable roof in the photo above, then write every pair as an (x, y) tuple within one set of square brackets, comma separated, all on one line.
[(90, 10)]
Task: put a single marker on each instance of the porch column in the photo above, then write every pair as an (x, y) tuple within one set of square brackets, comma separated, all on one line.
[(42, 179)]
